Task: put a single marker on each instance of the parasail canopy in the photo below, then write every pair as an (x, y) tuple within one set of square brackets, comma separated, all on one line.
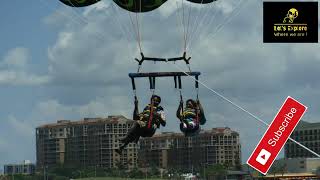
[(130, 5), (79, 3), (139, 5)]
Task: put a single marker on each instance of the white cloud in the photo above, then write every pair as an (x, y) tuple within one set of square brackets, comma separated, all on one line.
[(21, 127), (10, 77), (14, 69), (16, 58)]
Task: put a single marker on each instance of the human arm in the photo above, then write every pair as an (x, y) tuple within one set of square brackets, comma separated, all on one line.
[(160, 116), (178, 114), (201, 113)]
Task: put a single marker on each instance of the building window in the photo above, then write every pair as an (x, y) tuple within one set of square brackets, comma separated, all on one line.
[(85, 130)]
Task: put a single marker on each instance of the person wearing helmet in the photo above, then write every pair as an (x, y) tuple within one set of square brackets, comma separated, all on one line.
[(146, 122), (191, 117)]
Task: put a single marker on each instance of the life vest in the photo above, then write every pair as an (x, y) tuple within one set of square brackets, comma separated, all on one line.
[(147, 117), (190, 114)]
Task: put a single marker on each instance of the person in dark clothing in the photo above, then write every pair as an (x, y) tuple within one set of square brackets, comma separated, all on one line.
[(191, 117), (146, 122)]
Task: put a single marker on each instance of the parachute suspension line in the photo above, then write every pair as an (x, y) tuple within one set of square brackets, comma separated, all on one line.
[(188, 28), (138, 32), (82, 20), (140, 25), (75, 12), (202, 22), (242, 109), (123, 29), (201, 17), (138, 28), (188, 23), (101, 36), (135, 31), (79, 20), (195, 22), (235, 12), (46, 4), (184, 27), (135, 28), (179, 22)]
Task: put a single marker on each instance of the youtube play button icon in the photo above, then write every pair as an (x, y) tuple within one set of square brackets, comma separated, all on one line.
[(263, 156)]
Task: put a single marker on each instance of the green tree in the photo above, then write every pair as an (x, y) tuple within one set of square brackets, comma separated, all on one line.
[(217, 171), (136, 173), (154, 171), (278, 168)]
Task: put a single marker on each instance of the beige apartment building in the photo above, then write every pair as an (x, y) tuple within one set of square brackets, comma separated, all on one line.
[(174, 151), (89, 142)]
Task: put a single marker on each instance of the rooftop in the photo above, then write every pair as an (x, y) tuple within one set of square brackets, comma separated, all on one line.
[(308, 125), (109, 119), (218, 130)]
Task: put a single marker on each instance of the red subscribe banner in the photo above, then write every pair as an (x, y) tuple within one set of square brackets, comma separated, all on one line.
[(276, 135)]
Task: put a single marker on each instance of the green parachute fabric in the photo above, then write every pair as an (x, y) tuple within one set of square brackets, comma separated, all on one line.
[(201, 1), (139, 5), (79, 3)]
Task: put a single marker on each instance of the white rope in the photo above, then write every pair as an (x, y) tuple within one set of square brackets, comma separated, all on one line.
[(80, 20), (46, 5), (184, 26), (196, 22), (202, 21), (138, 32), (188, 24), (123, 28), (179, 19), (140, 24), (235, 12), (135, 30)]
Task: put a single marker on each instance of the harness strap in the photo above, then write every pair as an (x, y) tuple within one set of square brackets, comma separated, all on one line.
[(197, 118), (151, 115), (197, 115)]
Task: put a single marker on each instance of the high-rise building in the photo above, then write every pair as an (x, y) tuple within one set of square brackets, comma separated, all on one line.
[(24, 168), (89, 142), (307, 134), (173, 150)]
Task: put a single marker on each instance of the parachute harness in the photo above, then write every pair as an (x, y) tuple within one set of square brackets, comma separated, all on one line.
[(151, 114)]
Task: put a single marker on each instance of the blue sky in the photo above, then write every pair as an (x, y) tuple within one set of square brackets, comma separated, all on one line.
[(62, 63)]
